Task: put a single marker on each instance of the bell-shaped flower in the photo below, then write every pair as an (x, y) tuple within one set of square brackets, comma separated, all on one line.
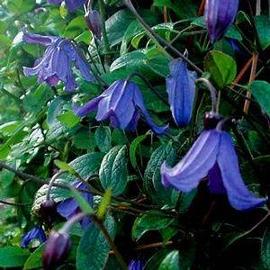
[(72, 5), (70, 207), (36, 233), (181, 90), (56, 250), (219, 16), (122, 103), (57, 62), (93, 20), (213, 156)]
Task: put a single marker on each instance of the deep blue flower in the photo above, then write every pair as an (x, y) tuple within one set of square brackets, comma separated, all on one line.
[(56, 250), (93, 20), (57, 61), (135, 264), (212, 155), (36, 233), (219, 16), (122, 103), (72, 5), (181, 90), (70, 207)]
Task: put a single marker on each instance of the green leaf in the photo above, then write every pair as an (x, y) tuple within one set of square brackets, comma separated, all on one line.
[(171, 261), (69, 119), (93, 249), (63, 166), (261, 92), (222, 68), (34, 261), (133, 149), (103, 138), (265, 249), (113, 170), (11, 257), (263, 29), (151, 221)]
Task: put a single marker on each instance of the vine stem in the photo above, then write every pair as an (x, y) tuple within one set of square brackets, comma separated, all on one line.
[(159, 39), (251, 79), (104, 32)]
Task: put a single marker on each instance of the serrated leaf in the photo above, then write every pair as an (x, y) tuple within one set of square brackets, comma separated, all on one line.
[(93, 249), (103, 138), (150, 221), (222, 68), (113, 170), (69, 119)]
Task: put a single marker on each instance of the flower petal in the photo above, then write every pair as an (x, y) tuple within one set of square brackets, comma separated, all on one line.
[(215, 183), (88, 107), (38, 39), (67, 208), (239, 196), (36, 233), (187, 174)]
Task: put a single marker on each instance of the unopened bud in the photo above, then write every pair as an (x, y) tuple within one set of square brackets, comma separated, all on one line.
[(94, 23), (48, 211)]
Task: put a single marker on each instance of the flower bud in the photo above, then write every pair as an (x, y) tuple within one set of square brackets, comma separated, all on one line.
[(56, 250), (219, 16), (48, 211), (94, 23), (211, 120)]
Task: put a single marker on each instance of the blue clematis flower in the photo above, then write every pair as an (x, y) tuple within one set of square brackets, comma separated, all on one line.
[(72, 5), (181, 90), (219, 16), (70, 207), (36, 233), (212, 155), (57, 61), (135, 264), (122, 103)]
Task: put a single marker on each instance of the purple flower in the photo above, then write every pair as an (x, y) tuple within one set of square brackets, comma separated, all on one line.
[(72, 5), (36, 233), (212, 155), (181, 91), (122, 103), (135, 264), (94, 23), (56, 250), (219, 15), (70, 207), (56, 63)]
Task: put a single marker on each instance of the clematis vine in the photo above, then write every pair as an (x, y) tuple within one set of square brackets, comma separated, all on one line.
[(57, 62), (212, 156), (219, 16), (181, 90), (122, 103), (36, 233), (70, 207), (72, 5)]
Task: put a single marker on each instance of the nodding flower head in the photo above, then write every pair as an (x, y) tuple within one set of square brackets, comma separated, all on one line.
[(219, 16), (122, 103), (70, 207), (94, 23), (57, 62), (136, 264), (72, 5), (212, 156), (181, 91), (36, 233), (56, 250)]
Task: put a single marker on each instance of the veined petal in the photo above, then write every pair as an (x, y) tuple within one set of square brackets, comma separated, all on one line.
[(215, 183), (38, 39), (196, 164), (139, 103), (239, 196), (84, 68), (219, 15), (88, 107), (181, 90), (67, 208), (72, 5)]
